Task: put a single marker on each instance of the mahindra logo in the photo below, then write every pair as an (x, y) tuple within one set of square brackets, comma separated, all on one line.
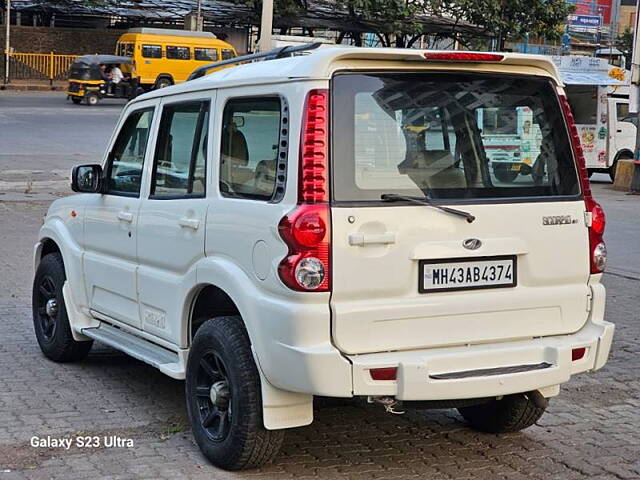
[(472, 244)]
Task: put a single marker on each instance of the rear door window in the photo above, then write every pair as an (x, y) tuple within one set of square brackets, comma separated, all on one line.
[(422, 135)]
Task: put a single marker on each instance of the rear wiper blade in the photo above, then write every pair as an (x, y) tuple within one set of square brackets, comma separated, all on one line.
[(393, 197)]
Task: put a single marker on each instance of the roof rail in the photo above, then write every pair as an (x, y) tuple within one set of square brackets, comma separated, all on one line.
[(274, 54)]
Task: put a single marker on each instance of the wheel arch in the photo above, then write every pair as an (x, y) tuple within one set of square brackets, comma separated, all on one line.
[(206, 301), (624, 152)]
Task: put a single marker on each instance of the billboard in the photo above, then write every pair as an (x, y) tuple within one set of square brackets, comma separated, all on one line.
[(598, 8)]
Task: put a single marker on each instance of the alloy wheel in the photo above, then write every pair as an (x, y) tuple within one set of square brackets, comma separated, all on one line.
[(213, 397)]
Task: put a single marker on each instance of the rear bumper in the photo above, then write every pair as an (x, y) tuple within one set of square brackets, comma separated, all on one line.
[(489, 369), (447, 373)]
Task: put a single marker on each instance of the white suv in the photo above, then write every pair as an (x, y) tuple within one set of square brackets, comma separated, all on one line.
[(332, 225)]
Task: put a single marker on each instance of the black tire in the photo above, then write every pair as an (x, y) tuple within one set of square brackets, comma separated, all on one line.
[(612, 170), (229, 432), (91, 99), (52, 324), (76, 100), (163, 82), (510, 414), (504, 173)]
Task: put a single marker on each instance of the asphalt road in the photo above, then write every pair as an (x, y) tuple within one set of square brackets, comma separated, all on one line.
[(592, 430)]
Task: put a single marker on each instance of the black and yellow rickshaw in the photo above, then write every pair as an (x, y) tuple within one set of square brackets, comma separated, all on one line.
[(88, 79)]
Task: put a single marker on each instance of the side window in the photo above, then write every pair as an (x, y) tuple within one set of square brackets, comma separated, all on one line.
[(622, 111), (249, 147), (125, 49), (151, 51), (179, 168), (124, 170), (178, 53), (206, 54), (227, 54)]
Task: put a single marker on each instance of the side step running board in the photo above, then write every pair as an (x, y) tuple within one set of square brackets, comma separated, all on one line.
[(168, 362)]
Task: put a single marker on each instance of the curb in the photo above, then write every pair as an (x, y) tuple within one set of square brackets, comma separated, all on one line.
[(32, 88)]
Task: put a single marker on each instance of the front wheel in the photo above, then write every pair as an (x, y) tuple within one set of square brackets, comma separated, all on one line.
[(224, 400), (76, 100), (511, 413), (50, 319)]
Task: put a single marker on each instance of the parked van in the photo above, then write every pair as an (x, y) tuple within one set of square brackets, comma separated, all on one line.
[(163, 57), (599, 97), (329, 225)]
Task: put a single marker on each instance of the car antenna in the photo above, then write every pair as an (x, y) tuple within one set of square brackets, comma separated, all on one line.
[(274, 54)]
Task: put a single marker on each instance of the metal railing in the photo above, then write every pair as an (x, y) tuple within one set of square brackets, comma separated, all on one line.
[(38, 66)]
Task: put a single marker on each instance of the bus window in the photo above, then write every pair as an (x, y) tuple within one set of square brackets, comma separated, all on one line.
[(178, 53), (227, 54), (125, 49), (151, 51), (208, 54)]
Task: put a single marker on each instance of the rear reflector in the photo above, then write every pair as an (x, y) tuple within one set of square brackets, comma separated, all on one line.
[(384, 373), (463, 57), (578, 353)]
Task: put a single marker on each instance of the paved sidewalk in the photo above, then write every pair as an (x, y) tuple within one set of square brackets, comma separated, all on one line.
[(592, 430)]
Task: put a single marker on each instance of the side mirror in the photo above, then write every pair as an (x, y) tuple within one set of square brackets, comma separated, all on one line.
[(86, 178)]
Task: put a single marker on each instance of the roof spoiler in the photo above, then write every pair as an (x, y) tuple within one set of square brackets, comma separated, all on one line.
[(274, 54)]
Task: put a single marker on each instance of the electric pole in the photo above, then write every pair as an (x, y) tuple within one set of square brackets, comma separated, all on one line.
[(634, 98), (7, 32), (266, 26)]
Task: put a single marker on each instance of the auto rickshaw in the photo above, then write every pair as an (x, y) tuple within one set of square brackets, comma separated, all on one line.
[(87, 80)]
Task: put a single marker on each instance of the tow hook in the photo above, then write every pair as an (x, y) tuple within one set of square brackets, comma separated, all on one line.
[(389, 403), (538, 400)]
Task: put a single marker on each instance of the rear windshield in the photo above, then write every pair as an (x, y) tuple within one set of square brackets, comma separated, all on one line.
[(448, 136)]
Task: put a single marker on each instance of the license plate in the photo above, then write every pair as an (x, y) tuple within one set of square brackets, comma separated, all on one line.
[(467, 274)]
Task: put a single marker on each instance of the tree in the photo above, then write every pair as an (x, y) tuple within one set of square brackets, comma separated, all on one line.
[(397, 19), (625, 43), (505, 19)]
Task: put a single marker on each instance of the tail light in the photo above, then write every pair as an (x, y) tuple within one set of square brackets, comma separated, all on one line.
[(595, 213), (463, 57), (389, 373), (307, 229)]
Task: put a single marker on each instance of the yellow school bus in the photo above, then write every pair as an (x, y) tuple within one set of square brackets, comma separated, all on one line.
[(163, 57)]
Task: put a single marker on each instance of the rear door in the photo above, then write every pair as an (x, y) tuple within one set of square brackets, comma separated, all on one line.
[(409, 276)]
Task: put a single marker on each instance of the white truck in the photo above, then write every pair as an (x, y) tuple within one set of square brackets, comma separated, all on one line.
[(328, 225), (599, 97)]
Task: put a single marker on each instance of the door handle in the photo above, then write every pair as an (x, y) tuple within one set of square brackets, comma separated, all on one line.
[(361, 239), (187, 222), (125, 216), (619, 131)]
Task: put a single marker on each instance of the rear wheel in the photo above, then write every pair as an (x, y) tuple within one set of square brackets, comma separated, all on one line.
[(504, 173), (76, 100), (50, 319), (512, 413), (163, 82), (91, 99), (224, 399)]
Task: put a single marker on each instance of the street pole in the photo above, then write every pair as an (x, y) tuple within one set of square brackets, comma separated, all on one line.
[(199, 22), (6, 42), (266, 26), (634, 99)]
